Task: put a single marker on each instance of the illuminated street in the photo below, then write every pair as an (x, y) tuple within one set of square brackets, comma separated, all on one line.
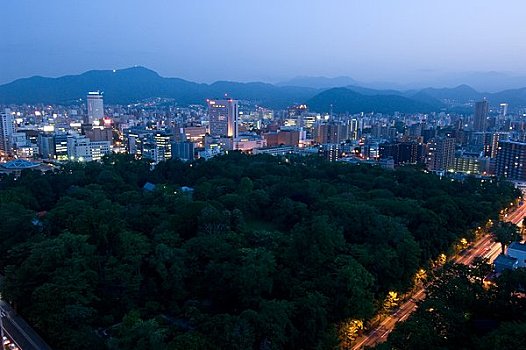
[(484, 247)]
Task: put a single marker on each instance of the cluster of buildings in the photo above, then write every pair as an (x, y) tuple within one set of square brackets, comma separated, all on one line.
[(486, 142)]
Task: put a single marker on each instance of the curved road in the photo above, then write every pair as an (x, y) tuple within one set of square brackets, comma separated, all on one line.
[(484, 247)]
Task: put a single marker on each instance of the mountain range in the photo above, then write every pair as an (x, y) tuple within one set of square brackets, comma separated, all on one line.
[(340, 94)]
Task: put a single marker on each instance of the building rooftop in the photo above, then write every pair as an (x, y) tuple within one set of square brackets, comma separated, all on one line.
[(518, 246), (20, 164), (505, 260)]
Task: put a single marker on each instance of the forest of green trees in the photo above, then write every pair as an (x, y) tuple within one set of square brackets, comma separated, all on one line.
[(265, 253)]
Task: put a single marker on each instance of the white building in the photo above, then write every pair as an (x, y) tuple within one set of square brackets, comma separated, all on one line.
[(95, 107), (80, 148), (7, 129), (518, 251), (224, 116)]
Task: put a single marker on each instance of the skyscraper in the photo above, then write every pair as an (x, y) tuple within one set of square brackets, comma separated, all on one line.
[(480, 118), (511, 160), (95, 107), (7, 128), (224, 116)]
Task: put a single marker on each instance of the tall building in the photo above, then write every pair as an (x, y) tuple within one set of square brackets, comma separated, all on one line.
[(503, 109), (331, 132), (95, 107), (480, 118), (61, 147), (403, 152), (511, 160), (224, 115), (441, 154), (7, 129), (183, 150), (46, 146)]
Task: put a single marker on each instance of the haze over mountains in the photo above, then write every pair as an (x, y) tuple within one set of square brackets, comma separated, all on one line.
[(342, 94)]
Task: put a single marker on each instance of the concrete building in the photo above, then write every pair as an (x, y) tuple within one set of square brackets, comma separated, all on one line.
[(480, 118), (472, 165), (95, 107), (224, 115), (403, 152), (504, 262), (46, 146), (331, 132), (249, 142), (441, 154), (7, 129), (183, 150), (81, 148), (517, 250), (284, 137), (511, 160)]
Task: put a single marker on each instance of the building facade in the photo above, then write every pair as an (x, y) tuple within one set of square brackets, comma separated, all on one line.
[(224, 115), (511, 160), (95, 107)]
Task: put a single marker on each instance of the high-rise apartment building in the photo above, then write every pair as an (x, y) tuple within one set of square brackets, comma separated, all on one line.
[(95, 107), (480, 118), (224, 116), (7, 129), (511, 160), (403, 152), (331, 132), (441, 154)]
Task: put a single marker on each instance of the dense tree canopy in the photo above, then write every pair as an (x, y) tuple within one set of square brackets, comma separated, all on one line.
[(264, 253), (460, 312)]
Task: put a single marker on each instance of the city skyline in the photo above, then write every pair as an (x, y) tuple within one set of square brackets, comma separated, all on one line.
[(278, 41)]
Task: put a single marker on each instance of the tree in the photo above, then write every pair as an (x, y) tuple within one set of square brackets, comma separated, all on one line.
[(506, 233)]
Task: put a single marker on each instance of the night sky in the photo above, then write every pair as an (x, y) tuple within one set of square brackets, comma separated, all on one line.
[(271, 40)]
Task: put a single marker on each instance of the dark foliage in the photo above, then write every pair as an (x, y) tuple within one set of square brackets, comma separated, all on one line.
[(266, 253)]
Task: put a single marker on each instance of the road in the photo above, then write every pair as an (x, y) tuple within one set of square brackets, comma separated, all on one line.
[(18, 331), (517, 215), (484, 247)]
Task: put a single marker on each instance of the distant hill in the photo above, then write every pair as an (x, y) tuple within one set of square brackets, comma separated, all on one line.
[(460, 94), (131, 85), (319, 82), (138, 83), (345, 100)]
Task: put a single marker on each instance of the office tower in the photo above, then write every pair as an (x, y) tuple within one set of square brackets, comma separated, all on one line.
[(183, 150), (331, 132), (284, 137), (503, 109), (331, 152), (480, 118), (353, 129), (46, 146), (163, 146), (403, 152), (441, 154), (61, 147), (495, 139), (95, 107), (511, 160), (224, 116), (7, 129), (80, 148)]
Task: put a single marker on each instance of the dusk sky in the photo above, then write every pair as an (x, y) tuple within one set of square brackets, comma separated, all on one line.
[(272, 40)]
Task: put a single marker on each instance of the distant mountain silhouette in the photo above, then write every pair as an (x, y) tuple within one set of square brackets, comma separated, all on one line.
[(461, 94), (138, 83), (131, 85), (319, 82), (342, 100)]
